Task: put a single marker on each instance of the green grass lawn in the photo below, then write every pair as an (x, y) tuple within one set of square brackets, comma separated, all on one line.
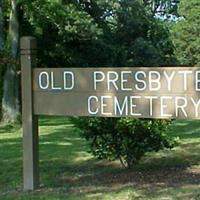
[(68, 171)]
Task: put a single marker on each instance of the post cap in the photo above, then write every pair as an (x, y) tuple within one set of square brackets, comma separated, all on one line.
[(28, 43)]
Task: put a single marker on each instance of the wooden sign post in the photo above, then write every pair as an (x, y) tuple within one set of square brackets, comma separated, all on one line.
[(30, 121), (156, 92)]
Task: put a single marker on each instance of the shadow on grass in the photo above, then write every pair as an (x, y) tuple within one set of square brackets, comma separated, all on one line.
[(66, 167)]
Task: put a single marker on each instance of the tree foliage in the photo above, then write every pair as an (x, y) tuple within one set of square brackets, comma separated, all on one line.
[(96, 33), (185, 33)]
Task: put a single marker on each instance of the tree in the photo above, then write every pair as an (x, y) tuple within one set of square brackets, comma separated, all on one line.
[(10, 101), (56, 24), (1, 27), (90, 33), (1, 48), (185, 33), (142, 39)]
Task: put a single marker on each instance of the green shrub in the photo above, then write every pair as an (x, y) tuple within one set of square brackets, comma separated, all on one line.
[(126, 139)]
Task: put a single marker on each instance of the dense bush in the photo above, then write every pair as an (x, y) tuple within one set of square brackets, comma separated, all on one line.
[(126, 139)]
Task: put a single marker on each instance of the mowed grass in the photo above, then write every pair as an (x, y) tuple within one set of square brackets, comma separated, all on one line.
[(68, 171)]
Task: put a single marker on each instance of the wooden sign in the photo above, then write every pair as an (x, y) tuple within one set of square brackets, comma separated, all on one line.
[(164, 92), (159, 92)]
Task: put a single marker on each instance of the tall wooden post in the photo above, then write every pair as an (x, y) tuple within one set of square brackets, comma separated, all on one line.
[(30, 121)]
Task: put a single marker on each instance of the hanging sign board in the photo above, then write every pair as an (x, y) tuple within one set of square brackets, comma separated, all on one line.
[(159, 92)]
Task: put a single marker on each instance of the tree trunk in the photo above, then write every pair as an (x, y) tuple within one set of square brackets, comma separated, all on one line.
[(10, 102), (1, 52), (1, 27)]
